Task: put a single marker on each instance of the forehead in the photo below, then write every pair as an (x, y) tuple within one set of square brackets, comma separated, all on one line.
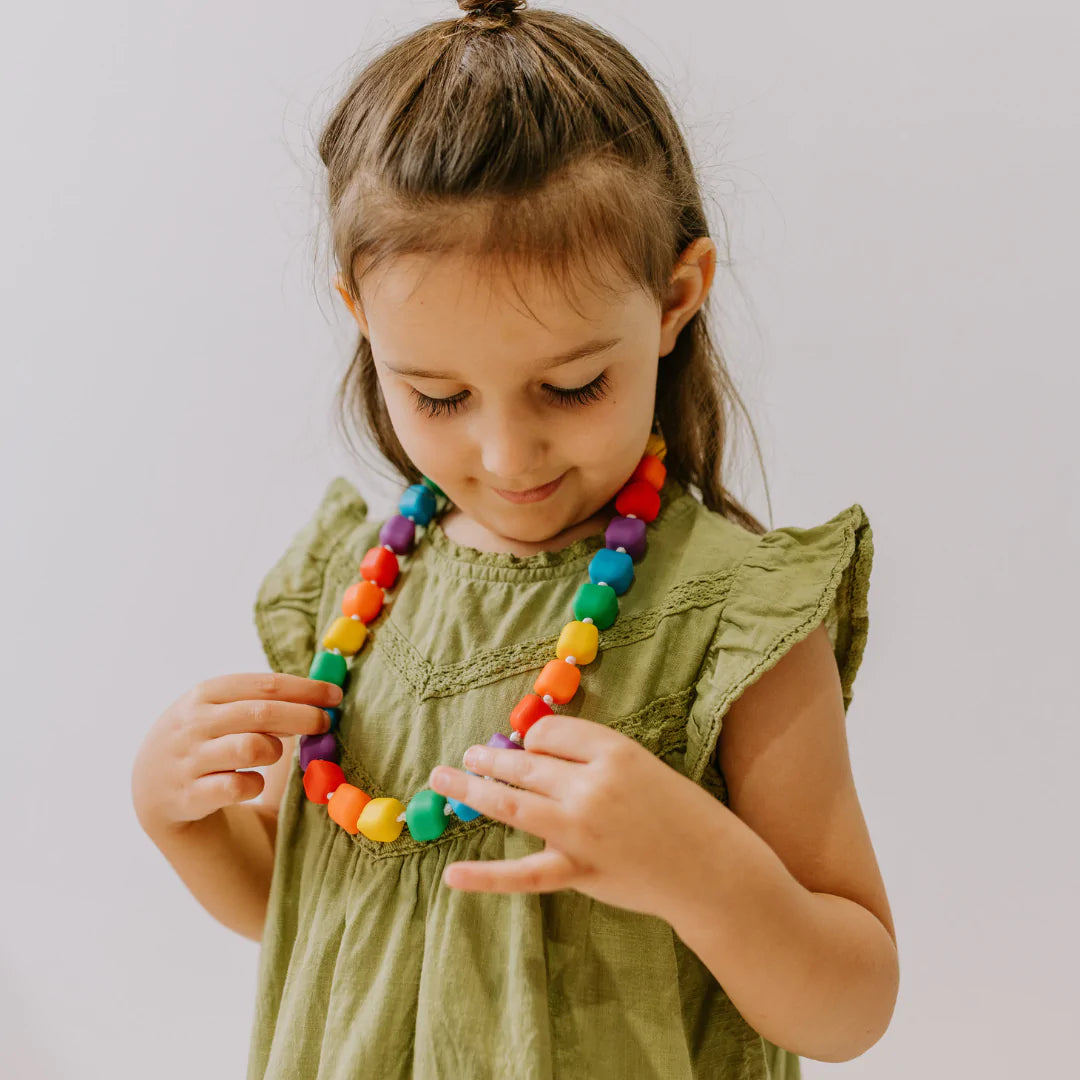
[(473, 295)]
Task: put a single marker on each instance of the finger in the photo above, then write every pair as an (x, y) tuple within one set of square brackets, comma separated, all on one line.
[(272, 717), (543, 871), (246, 750), (539, 773), (268, 685), (215, 790), (536, 814), (570, 737)]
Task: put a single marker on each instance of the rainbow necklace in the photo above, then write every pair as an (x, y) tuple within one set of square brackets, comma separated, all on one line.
[(595, 607)]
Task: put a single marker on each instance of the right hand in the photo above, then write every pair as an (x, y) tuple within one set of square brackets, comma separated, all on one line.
[(187, 766)]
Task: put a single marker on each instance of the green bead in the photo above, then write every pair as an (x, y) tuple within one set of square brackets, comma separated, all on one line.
[(597, 602), (329, 666), (426, 815), (432, 486)]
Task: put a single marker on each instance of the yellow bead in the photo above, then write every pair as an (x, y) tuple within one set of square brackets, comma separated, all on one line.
[(346, 635), (579, 640), (379, 820), (656, 446)]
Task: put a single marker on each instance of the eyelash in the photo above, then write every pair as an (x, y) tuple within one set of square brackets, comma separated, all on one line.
[(577, 395)]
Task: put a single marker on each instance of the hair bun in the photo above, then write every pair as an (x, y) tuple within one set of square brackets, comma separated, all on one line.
[(490, 7)]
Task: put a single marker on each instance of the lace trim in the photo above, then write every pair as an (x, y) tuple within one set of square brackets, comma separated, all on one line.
[(427, 680)]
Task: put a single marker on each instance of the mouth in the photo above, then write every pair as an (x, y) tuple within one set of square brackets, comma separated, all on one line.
[(536, 494)]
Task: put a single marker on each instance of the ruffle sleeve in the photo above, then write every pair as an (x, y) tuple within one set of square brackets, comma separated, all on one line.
[(788, 582), (288, 600)]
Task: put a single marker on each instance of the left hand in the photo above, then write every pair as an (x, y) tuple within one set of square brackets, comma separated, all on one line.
[(619, 824)]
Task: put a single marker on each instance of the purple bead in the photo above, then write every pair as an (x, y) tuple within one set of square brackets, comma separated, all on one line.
[(628, 533), (501, 742), (321, 747), (398, 534)]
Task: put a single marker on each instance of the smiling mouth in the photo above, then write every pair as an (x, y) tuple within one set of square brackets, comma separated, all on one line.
[(535, 494)]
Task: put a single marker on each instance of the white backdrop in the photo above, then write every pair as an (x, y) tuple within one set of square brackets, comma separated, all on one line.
[(901, 190)]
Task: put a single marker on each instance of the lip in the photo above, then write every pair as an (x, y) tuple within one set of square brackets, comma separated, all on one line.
[(536, 494)]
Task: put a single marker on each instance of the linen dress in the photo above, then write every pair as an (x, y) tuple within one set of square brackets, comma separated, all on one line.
[(370, 966)]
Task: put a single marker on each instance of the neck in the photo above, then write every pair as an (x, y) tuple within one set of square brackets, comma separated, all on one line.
[(466, 531)]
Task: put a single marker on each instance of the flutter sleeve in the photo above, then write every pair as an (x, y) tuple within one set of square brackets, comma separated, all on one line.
[(288, 599), (787, 583)]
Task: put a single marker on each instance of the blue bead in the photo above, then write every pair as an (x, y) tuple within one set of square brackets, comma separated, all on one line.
[(464, 813), (615, 568), (417, 502), (335, 716)]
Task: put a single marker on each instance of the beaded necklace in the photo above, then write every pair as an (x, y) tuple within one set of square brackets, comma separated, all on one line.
[(595, 608)]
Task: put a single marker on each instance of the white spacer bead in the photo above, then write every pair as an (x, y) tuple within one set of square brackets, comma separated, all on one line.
[(634, 516), (356, 617), (400, 817), (570, 659), (412, 519), (336, 652), (515, 736), (331, 795), (548, 699), (587, 620), (447, 809), (387, 547), (622, 549), (601, 583)]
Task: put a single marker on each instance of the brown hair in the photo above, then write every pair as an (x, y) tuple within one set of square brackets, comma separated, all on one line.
[(532, 137)]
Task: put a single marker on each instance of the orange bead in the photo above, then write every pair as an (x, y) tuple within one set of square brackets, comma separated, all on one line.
[(652, 470), (364, 599), (527, 711), (345, 806), (559, 679), (380, 565), (321, 778)]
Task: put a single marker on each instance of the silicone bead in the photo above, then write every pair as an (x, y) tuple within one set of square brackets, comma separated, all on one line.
[(559, 679), (426, 815), (378, 820), (418, 503), (429, 483), (398, 534), (363, 599), (346, 805), (596, 602), (321, 747), (322, 777), (652, 470), (527, 711), (656, 446), (380, 566), (464, 813), (638, 499), (328, 667), (503, 742), (614, 568), (335, 716), (578, 640), (345, 635), (628, 534)]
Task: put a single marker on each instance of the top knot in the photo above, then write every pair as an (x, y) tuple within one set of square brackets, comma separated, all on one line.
[(490, 8)]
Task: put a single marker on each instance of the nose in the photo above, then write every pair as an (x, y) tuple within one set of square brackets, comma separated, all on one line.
[(513, 447)]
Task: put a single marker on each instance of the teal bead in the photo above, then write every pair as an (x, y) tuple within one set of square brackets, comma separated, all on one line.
[(614, 568), (435, 489), (426, 815), (464, 813), (417, 503), (335, 716), (596, 602), (329, 667)]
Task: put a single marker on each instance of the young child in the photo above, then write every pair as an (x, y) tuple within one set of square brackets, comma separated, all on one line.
[(674, 880)]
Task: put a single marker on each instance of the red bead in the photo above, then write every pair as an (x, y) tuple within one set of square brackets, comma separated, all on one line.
[(380, 566), (638, 499), (321, 777), (527, 711), (364, 599), (652, 470)]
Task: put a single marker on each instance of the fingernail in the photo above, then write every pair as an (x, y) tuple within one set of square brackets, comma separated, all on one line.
[(336, 693)]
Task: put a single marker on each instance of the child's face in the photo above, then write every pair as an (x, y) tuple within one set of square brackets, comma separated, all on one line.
[(469, 383)]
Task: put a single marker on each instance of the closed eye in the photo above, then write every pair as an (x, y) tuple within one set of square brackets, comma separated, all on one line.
[(560, 395)]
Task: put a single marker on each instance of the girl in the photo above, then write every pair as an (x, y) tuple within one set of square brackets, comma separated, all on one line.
[(522, 243)]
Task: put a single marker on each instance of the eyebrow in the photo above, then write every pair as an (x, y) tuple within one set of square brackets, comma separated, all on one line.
[(590, 348)]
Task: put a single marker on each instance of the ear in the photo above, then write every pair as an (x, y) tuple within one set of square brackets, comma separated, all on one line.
[(354, 309), (689, 287)]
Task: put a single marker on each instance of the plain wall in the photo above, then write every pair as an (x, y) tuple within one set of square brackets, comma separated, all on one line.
[(900, 190)]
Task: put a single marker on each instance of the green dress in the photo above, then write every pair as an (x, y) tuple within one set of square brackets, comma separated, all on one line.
[(369, 965)]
